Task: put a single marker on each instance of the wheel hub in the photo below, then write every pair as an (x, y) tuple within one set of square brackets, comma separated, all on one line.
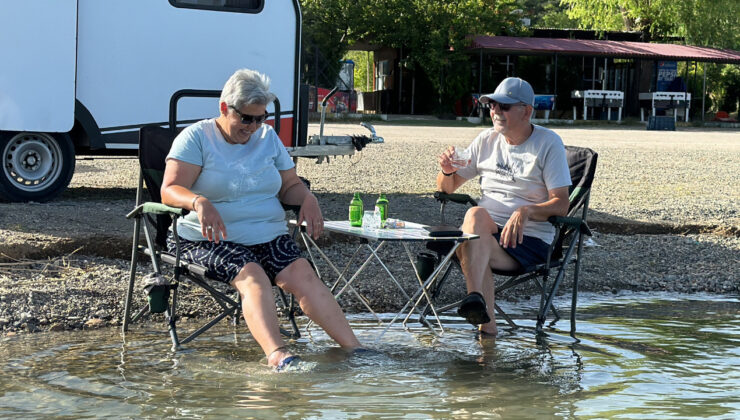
[(32, 161)]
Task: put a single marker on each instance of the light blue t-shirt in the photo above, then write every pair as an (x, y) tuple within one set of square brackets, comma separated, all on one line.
[(241, 180)]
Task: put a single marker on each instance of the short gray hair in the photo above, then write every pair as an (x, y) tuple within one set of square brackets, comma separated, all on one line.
[(247, 87)]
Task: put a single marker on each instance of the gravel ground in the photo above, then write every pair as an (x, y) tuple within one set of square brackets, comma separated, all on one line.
[(665, 208)]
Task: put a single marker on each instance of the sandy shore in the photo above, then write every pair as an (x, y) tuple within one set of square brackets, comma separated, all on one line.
[(665, 208)]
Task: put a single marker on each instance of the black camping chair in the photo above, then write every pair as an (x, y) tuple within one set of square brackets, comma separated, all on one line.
[(155, 219), (565, 250)]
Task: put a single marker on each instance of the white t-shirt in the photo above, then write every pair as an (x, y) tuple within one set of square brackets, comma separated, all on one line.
[(517, 175), (241, 180)]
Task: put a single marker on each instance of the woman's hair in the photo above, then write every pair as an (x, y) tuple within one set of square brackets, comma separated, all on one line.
[(247, 87)]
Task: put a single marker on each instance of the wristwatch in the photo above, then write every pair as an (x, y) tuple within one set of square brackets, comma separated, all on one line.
[(445, 174)]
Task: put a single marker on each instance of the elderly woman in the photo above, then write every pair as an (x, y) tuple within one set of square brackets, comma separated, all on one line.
[(233, 172)]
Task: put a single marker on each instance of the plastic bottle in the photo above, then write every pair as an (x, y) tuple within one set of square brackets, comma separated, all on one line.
[(381, 206), (355, 211)]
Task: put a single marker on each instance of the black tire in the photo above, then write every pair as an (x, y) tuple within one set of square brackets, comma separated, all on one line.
[(35, 166)]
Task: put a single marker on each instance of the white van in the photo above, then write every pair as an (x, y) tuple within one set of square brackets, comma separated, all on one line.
[(79, 77)]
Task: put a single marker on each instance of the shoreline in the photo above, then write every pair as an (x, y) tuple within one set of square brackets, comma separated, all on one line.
[(74, 292)]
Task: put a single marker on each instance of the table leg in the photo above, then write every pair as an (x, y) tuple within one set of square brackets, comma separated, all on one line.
[(340, 275), (372, 251), (421, 293)]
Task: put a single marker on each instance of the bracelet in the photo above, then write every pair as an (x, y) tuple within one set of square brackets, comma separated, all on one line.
[(450, 174), (197, 196)]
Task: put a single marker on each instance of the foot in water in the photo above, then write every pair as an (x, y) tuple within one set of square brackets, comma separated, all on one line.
[(281, 358)]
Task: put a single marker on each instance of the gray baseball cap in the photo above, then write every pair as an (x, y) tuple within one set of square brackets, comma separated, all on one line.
[(511, 90)]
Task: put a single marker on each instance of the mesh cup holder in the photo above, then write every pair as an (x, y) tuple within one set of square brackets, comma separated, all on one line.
[(157, 289)]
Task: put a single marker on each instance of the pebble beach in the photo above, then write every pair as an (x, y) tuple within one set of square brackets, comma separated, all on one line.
[(665, 211)]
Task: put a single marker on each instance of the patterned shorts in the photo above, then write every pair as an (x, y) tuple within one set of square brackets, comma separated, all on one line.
[(224, 260)]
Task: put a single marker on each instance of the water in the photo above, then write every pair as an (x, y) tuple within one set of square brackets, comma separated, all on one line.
[(641, 356)]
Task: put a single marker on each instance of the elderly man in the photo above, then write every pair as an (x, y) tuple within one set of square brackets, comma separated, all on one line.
[(524, 180)]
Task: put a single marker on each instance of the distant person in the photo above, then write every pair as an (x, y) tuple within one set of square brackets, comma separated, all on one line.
[(524, 180), (233, 172)]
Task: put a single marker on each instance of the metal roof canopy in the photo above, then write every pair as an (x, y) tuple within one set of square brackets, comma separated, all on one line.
[(601, 48)]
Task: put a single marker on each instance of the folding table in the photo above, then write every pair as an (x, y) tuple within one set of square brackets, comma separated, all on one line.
[(373, 240)]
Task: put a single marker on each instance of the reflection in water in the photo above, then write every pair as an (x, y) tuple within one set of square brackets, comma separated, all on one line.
[(639, 356)]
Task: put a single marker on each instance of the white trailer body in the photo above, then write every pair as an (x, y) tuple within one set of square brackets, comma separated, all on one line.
[(95, 71)]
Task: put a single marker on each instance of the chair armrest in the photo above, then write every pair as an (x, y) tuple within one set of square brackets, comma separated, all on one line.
[(455, 198), (574, 222), (291, 207), (156, 208)]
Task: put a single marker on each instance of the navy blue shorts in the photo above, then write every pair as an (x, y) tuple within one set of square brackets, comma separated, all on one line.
[(531, 251), (224, 260)]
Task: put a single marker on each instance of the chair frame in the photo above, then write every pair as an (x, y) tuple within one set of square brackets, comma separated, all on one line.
[(571, 229), (150, 215)]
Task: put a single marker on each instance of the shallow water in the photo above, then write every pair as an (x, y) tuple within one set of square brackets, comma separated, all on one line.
[(640, 356)]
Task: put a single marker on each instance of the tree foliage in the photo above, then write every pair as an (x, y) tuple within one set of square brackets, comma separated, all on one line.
[(432, 33), (714, 23)]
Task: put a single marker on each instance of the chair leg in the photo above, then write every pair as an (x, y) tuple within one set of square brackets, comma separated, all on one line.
[(290, 314), (171, 315), (574, 299), (132, 275), (544, 303), (435, 291)]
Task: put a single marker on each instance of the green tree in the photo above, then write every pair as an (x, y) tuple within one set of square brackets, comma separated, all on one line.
[(654, 18), (363, 60), (434, 35), (713, 23), (327, 26)]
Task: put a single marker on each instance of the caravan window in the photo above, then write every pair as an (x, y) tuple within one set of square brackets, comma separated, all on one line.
[(243, 6)]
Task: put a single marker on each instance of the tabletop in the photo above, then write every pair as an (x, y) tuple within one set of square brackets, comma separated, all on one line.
[(411, 232)]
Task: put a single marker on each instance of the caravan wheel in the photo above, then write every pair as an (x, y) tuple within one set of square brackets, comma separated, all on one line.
[(35, 166)]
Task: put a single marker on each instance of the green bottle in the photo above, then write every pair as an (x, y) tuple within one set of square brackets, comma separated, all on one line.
[(355, 211), (381, 206)]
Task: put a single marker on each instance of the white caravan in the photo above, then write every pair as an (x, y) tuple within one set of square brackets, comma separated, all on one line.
[(94, 71)]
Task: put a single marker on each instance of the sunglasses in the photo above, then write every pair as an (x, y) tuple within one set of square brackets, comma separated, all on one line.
[(249, 119), (503, 107)]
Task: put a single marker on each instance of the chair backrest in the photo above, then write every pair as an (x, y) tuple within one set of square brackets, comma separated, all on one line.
[(154, 145), (582, 165)]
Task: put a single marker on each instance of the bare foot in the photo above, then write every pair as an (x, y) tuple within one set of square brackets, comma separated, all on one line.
[(277, 356)]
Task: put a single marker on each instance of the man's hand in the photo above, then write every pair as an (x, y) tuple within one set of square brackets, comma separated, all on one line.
[(513, 232), (445, 160), (311, 214)]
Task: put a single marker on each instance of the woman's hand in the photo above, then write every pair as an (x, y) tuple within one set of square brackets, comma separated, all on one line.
[(445, 160), (311, 214), (211, 225), (513, 232)]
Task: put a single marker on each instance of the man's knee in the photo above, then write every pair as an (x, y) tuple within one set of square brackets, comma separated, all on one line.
[(477, 220)]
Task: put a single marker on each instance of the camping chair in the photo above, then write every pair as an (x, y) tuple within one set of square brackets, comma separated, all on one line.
[(564, 250), (154, 144)]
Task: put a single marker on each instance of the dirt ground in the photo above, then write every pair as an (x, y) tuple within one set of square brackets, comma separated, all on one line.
[(646, 182)]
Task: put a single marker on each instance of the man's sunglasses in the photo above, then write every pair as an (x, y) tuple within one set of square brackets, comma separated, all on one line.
[(503, 107), (249, 119)]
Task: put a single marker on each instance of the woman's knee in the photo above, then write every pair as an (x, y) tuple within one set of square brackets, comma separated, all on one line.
[(250, 276), (477, 220), (299, 274)]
